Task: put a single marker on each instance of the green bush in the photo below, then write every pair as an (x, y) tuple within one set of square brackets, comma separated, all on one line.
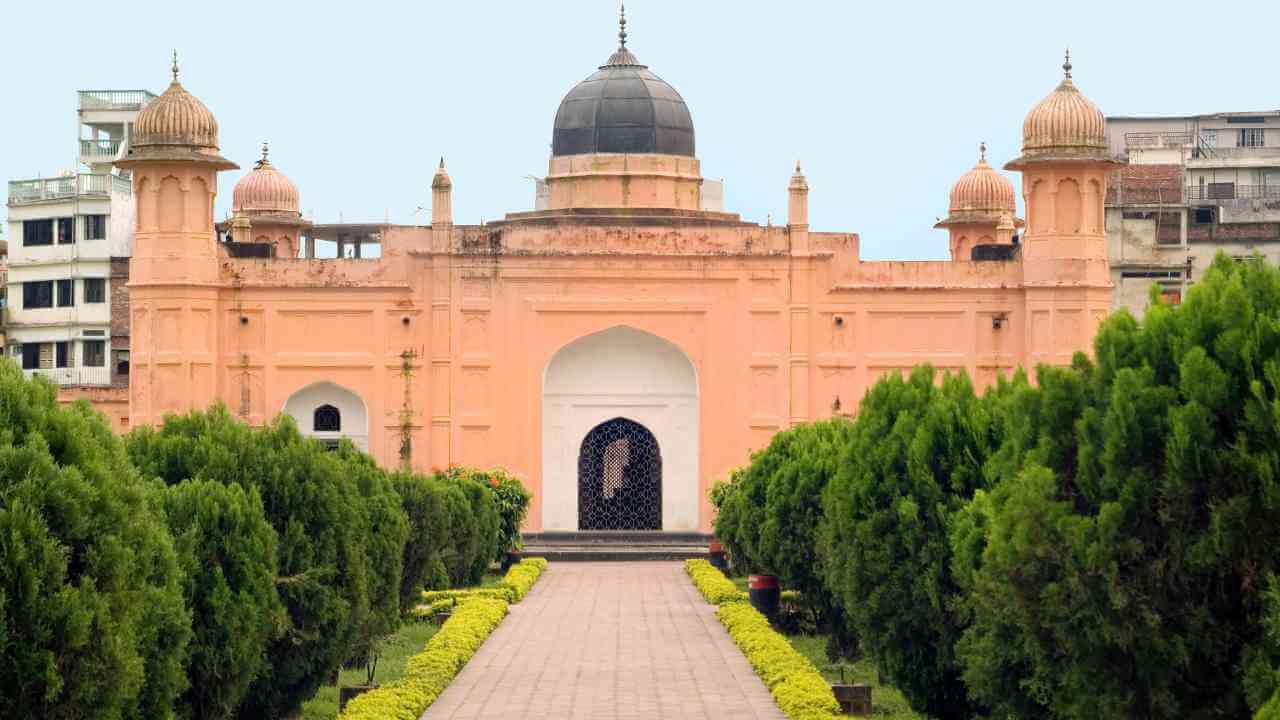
[(797, 687), (321, 522), (92, 621), (774, 511), (426, 504), (385, 532), (430, 672), (513, 500), (1119, 568), (228, 551), (915, 457), (474, 526)]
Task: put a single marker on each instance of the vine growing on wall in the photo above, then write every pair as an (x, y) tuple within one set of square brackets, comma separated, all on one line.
[(406, 409)]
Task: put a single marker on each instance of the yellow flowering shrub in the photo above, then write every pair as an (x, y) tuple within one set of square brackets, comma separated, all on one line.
[(512, 588), (797, 687), (521, 577), (478, 611), (428, 673), (498, 592), (712, 583)]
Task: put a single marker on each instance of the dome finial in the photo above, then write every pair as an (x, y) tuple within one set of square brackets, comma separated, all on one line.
[(982, 151), (1066, 65), (622, 26), (175, 65), (263, 161)]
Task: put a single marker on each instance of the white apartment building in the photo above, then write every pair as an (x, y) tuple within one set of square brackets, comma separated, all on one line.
[(1194, 185), (69, 241)]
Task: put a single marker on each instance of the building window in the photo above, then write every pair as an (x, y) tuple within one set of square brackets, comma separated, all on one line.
[(1170, 295), (37, 232), (66, 293), (94, 353), (1221, 191), (1209, 138), (62, 354), (36, 295), (30, 356), (95, 290), (1250, 137), (1202, 216), (64, 231), (327, 419), (95, 227)]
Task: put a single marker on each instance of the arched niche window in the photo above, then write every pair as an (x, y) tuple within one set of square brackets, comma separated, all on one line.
[(327, 419)]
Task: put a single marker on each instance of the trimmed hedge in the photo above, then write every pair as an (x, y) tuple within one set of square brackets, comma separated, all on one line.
[(521, 577), (712, 583), (512, 588), (797, 687), (430, 672)]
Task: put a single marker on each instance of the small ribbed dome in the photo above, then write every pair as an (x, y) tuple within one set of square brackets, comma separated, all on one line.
[(1065, 121), (623, 108), (176, 118), (265, 189), (983, 190)]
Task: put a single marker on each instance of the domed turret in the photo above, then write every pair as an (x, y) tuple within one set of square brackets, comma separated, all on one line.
[(623, 108), (982, 191), (623, 138), (981, 211), (1064, 124), (176, 118), (175, 126), (265, 190)]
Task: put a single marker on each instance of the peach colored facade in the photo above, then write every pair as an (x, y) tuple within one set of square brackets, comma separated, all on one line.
[(779, 324)]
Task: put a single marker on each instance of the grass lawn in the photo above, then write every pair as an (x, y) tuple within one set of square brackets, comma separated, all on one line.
[(885, 700), (406, 643)]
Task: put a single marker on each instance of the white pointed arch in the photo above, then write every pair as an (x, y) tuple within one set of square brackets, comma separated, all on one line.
[(620, 372), (327, 400)]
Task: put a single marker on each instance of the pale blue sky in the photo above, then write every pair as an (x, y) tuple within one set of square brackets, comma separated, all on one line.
[(883, 102)]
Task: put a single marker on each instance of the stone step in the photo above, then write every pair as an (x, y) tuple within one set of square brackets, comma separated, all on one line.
[(607, 545)]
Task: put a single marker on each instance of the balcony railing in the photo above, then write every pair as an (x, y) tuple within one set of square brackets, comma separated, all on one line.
[(73, 375), (1160, 138), (1229, 191), (115, 99), (30, 191), (1206, 153), (104, 148)]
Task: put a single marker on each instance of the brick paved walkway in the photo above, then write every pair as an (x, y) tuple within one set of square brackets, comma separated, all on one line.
[(608, 641)]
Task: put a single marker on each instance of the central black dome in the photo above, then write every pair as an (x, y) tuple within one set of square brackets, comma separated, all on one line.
[(623, 108)]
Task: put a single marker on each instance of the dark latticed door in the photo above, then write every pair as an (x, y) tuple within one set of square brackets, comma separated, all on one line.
[(620, 478)]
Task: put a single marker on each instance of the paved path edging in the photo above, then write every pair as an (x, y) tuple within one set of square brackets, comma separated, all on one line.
[(608, 641)]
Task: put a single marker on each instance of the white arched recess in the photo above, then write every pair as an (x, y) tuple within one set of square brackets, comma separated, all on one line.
[(303, 404), (620, 372)]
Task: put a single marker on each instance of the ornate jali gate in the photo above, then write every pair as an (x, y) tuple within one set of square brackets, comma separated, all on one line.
[(620, 478)]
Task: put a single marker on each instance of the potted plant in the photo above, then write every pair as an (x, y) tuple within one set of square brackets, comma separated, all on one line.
[(765, 593), (719, 558)]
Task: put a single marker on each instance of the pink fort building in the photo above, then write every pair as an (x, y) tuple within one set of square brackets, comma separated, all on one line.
[(620, 347)]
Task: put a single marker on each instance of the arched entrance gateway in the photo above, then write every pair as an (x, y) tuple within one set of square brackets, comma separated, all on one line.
[(620, 435)]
